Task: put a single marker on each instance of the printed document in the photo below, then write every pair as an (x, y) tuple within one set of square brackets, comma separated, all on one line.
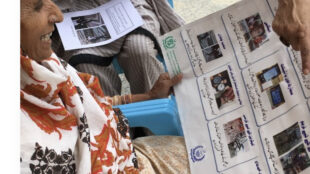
[(98, 26)]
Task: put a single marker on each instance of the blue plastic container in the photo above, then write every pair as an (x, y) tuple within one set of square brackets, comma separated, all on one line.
[(160, 116)]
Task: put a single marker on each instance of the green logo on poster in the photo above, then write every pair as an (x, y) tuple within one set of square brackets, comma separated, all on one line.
[(169, 42)]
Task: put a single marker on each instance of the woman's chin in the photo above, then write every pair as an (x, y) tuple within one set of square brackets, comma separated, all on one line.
[(42, 56), (47, 55)]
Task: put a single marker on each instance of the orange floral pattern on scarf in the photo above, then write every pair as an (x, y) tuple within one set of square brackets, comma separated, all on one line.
[(93, 85), (101, 156), (49, 104), (40, 115)]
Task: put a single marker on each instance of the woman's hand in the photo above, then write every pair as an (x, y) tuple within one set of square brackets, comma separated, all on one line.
[(161, 89), (163, 86), (292, 24)]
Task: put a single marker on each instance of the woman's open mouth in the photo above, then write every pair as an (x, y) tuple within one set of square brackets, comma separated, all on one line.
[(46, 37)]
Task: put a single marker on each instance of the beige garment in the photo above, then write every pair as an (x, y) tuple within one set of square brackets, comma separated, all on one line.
[(137, 57), (161, 155), (158, 16)]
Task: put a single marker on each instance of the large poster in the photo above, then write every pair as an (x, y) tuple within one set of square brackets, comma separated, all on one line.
[(243, 99)]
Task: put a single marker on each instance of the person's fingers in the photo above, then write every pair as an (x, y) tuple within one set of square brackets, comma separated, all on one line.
[(276, 25), (164, 76), (305, 55), (291, 36), (298, 36), (291, 29), (170, 91), (284, 41), (284, 36), (301, 33), (295, 45), (176, 79)]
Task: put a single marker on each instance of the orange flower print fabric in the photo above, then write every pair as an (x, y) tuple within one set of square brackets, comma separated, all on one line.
[(66, 114)]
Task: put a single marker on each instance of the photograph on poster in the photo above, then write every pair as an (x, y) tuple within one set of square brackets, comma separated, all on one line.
[(269, 77), (236, 137), (83, 22), (209, 46), (253, 30), (93, 35), (224, 92), (287, 139), (90, 29), (275, 97), (295, 161)]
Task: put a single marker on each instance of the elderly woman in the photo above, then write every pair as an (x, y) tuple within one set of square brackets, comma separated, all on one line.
[(292, 23), (67, 125)]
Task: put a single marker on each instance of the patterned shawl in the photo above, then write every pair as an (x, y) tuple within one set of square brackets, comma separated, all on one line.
[(67, 126)]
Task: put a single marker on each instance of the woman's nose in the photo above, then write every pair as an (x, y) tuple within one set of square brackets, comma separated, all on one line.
[(56, 15)]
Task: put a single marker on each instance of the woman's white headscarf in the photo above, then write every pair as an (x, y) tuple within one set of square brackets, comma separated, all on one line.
[(67, 126)]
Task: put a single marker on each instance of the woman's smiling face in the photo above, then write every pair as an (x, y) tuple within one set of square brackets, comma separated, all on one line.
[(36, 26)]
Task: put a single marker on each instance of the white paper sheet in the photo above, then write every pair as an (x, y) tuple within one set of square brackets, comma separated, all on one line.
[(243, 97), (98, 26)]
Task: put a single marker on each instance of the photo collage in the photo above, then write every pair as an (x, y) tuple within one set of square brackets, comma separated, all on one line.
[(236, 137), (207, 47), (224, 92), (269, 80), (272, 86), (233, 138), (220, 91), (253, 31), (90, 29), (210, 47), (304, 79)]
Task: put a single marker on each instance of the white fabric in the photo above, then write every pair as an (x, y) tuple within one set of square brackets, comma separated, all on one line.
[(52, 118)]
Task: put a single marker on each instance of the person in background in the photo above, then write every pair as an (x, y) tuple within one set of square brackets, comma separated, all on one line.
[(292, 24), (67, 124), (136, 52)]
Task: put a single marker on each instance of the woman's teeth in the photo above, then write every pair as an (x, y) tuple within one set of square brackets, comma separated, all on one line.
[(46, 37)]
